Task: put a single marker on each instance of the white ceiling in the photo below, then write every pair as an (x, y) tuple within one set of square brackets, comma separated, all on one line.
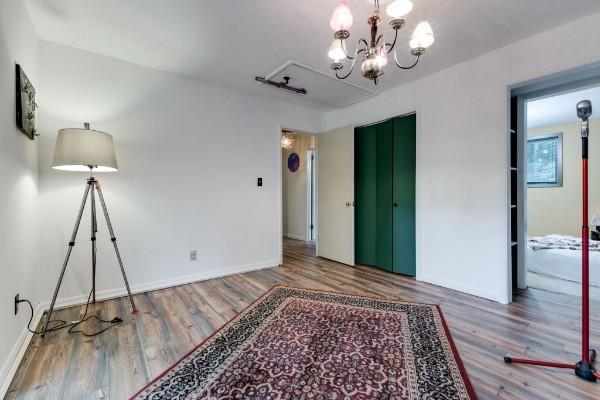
[(560, 109), (229, 42)]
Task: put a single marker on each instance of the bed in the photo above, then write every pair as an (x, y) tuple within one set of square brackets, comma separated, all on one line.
[(559, 269)]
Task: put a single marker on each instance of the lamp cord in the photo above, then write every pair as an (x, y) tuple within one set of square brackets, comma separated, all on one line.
[(61, 324)]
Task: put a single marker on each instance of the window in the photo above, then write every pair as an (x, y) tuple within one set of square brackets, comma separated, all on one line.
[(544, 161)]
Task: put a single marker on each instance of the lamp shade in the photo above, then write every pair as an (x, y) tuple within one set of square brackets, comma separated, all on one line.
[(399, 8), (337, 50), (81, 149), (422, 36), (342, 19)]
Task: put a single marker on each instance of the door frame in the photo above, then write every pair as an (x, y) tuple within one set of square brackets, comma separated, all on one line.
[(546, 86), (279, 177), (311, 197), (416, 110)]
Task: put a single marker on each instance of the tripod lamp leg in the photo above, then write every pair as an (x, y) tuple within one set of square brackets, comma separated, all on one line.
[(64, 267), (134, 310), (93, 239)]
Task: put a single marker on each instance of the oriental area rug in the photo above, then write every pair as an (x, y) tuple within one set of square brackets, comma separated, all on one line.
[(315, 345)]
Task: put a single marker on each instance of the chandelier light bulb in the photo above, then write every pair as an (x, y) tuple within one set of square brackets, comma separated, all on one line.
[(342, 19), (382, 56), (422, 37), (399, 8), (337, 50)]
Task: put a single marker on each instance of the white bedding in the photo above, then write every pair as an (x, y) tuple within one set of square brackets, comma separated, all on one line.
[(563, 264)]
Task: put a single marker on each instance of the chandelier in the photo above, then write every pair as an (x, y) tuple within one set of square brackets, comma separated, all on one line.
[(374, 53), (287, 140)]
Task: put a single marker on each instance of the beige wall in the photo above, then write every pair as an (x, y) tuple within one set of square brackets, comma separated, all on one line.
[(295, 193), (558, 209)]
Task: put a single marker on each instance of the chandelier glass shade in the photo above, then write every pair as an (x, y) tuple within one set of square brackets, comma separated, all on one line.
[(373, 53)]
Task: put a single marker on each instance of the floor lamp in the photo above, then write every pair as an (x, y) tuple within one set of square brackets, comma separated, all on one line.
[(87, 150), (584, 368)]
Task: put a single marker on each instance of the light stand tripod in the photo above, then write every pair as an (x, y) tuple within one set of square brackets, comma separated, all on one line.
[(92, 187), (584, 368)]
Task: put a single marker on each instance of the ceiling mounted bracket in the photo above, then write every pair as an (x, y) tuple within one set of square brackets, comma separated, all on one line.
[(282, 84)]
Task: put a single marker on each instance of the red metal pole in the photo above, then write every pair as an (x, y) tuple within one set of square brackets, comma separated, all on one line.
[(539, 363), (585, 267), (583, 369)]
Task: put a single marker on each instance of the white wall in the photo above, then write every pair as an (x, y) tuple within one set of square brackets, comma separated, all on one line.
[(189, 154), (19, 206), (295, 189), (462, 152), (558, 209)]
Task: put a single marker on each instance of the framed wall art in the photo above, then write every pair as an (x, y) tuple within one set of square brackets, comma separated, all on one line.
[(25, 102)]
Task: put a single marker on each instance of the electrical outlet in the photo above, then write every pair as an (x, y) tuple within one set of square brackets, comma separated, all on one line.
[(17, 301), (193, 255)]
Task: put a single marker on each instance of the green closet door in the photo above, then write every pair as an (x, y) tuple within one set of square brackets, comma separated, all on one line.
[(405, 130), (373, 195), (384, 215), (365, 188)]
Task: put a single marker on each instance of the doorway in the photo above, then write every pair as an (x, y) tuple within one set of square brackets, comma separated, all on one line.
[(553, 166), (298, 186), (545, 183)]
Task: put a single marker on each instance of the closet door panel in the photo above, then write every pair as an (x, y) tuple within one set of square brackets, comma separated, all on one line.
[(384, 195), (365, 150), (404, 195)]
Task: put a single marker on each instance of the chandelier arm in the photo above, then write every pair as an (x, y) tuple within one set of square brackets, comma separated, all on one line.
[(345, 76), (391, 46), (379, 39), (365, 43), (358, 49), (355, 54), (406, 67)]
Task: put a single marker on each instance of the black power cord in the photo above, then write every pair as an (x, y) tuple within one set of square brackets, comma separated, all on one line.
[(61, 324), (112, 322)]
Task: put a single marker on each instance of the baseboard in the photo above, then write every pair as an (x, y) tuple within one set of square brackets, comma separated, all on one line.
[(162, 284), (460, 287), (295, 237), (11, 364)]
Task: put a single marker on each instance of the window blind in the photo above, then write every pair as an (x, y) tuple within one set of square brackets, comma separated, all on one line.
[(542, 160)]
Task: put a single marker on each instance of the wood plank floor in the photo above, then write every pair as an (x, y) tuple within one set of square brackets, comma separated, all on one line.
[(115, 364)]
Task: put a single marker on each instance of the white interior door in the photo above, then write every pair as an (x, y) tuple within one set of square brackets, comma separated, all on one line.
[(335, 192)]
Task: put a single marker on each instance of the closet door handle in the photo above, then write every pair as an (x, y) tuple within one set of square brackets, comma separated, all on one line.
[(395, 204)]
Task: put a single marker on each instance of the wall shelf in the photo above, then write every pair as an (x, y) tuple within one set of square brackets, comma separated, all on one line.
[(513, 190)]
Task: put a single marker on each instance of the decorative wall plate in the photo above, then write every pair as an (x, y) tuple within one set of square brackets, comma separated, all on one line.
[(293, 162)]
